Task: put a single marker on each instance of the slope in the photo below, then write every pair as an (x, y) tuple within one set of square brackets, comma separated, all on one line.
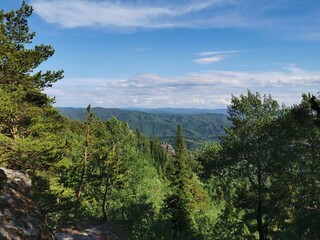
[(198, 127)]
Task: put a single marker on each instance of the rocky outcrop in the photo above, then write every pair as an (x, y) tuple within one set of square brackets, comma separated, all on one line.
[(20, 217), (90, 229), (168, 149)]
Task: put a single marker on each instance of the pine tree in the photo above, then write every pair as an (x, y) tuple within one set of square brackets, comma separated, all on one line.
[(21, 87), (32, 132), (178, 202), (26, 115), (180, 146), (18, 60)]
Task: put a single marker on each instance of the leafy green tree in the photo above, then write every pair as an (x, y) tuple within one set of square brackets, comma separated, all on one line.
[(302, 175), (223, 219), (124, 181), (265, 175), (249, 157), (207, 158), (315, 106), (89, 134), (112, 161)]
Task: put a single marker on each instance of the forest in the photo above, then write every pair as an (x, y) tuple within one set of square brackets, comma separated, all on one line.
[(261, 180), (200, 126)]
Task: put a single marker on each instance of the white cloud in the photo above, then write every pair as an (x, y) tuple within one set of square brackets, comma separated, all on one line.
[(210, 53), (200, 89), (122, 15), (209, 60), (215, 56), (119, 14)]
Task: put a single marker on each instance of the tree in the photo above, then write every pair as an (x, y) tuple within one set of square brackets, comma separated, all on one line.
[(315, 106), (207, 159), (178, 203), (248, 155), (21, 88), (112, 161), (180, 146), (19, 84), (303, 144), (161, 156), (18, 62), (32, 136), (89, 134)]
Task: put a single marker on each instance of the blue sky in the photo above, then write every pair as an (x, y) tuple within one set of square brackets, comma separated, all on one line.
[(186, 53)]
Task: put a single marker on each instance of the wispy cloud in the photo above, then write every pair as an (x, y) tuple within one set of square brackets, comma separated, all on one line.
[(122, 15), (215, 56), (228, 52), (211, 89)]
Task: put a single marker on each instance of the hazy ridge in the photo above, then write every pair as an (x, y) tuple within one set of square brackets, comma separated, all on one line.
[(199, 125)]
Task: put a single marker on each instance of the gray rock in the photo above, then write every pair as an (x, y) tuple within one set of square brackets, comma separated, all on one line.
[(20, 217), (90, 229)]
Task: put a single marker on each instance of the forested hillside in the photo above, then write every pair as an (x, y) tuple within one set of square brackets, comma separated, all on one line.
[(260, 181), (180, 110), (162, 123)]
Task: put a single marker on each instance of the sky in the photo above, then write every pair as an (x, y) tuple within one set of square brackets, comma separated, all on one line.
[(182, 54)]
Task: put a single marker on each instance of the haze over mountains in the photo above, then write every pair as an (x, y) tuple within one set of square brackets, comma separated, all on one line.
[(199, 125), (180, 110)]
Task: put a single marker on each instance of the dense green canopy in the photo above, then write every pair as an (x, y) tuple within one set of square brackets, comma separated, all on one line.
[(260, 181)]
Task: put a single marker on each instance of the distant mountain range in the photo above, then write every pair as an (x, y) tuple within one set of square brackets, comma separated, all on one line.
[(179, 110), (199, 125)]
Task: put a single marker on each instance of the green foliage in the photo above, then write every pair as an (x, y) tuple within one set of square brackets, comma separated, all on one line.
[(303, 171), (178, 202), (248, 153), (260, 182), (263, 173), (26, 115), (18, 62), (161, 157), (199, 128), (207, 158), (315, 106), (31, 131)]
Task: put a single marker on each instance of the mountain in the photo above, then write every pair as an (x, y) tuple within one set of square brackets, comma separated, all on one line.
[(180, 110), (198, 127)]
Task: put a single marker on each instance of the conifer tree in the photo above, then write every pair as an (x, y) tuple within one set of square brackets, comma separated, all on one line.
[(27, 120), (19, 82), (178, 203), (18, 60), (32, 132)]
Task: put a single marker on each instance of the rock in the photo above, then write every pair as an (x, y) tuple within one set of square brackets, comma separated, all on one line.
[(20, 217), (90, 229), (168, 149)]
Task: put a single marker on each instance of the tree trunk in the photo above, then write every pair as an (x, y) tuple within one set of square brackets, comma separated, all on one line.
[(14, 127), (84, 168)]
